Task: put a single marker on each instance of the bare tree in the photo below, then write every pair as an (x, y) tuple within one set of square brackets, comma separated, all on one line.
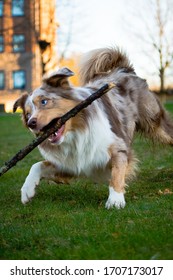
[(163, 46), (156, 35)]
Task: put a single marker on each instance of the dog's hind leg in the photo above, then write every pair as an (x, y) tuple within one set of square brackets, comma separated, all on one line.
[(117, 182), (40, 170)]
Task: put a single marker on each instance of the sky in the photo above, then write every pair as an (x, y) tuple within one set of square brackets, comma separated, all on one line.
[(96, 23), (90, 24)]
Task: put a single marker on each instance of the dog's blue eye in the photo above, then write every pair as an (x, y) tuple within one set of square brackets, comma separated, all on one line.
[(44, 102)]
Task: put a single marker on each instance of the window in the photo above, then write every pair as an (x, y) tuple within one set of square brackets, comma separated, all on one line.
[(1, 43), (18, 43), (1, 8), (19, 79), (2, 80), (18, 7)]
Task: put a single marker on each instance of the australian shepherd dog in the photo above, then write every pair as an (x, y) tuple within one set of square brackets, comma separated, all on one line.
[(96, 143)]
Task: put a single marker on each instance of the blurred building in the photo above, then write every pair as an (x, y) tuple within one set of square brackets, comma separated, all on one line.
[(27, 46)]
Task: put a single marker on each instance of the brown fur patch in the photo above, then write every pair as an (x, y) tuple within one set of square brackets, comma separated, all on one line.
[(20, 102), (118, 170)]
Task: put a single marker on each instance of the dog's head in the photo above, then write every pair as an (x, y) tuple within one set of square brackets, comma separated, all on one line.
[(51, 100)]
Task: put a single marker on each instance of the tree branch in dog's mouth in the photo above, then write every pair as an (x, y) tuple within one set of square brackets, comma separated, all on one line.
[(54, 126), (49, 125)]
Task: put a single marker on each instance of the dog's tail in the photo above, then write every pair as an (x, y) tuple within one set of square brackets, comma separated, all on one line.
[(102, 60), (155, 122)]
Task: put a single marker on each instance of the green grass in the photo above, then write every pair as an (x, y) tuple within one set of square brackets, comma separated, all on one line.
[(71, 222)]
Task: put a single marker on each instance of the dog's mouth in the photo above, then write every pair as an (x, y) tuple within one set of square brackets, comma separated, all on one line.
[(56, 136)]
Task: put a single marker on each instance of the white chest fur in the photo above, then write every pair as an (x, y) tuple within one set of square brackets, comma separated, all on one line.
[(83, 152)]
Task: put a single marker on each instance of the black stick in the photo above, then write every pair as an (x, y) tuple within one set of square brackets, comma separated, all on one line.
[(54, 126)]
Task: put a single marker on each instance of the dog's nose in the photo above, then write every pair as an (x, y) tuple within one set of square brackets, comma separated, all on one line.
[(32, 123)]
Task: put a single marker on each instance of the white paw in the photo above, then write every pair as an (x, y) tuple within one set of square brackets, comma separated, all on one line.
[(27, 192), (31, 182), (115, 199)]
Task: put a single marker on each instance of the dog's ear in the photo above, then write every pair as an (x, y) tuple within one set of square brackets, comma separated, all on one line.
[(59, 78), (20, 102)]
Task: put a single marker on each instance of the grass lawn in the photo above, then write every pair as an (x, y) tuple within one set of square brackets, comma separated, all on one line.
[(71, 222)]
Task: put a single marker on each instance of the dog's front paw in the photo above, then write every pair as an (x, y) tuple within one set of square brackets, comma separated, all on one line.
[(31, 182), (27, 193), (115, 199)]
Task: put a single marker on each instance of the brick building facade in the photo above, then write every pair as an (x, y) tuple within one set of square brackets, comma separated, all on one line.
[(27, 46)]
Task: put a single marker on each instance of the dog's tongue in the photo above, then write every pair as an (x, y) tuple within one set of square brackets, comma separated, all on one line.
[(55, 137)]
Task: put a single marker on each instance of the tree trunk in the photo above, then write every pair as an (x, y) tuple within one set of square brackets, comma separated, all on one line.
[(162, 80)]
